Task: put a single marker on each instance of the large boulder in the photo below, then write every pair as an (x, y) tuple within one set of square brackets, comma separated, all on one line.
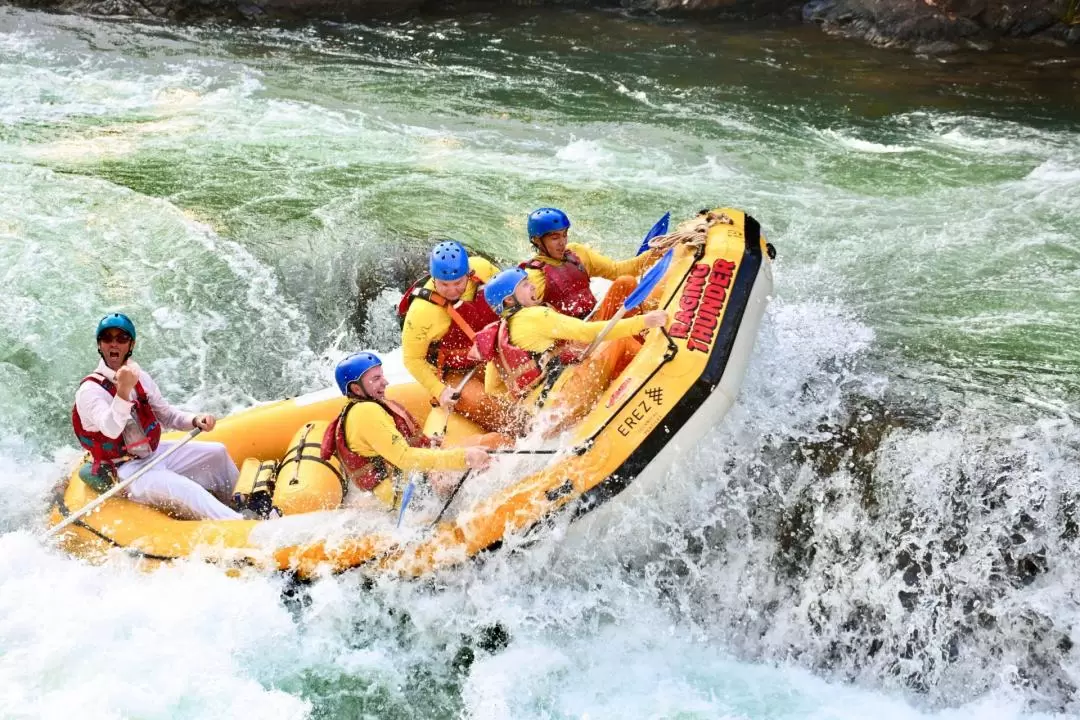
[(942, 25)]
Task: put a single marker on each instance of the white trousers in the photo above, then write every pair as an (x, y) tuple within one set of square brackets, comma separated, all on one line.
[(194, 483)]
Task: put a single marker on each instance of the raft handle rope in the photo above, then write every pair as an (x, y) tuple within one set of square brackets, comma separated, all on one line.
[(578, 450), (693, 232)]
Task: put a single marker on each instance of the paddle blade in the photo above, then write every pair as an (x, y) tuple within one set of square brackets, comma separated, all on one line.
[(660, 228), (649, 281), (405, 498)]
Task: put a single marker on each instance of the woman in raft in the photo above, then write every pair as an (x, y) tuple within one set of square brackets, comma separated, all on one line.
[(531, 342)]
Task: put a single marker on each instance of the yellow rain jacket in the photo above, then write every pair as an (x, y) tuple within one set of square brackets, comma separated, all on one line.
[(537, 329), (371, 432), (426, 323)]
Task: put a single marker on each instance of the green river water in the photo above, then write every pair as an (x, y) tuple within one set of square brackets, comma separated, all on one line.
[(910, 408)]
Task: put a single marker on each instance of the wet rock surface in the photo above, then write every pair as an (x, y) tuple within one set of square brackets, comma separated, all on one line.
[(231, 10), (927, 26), (890, 545), (937, 26)]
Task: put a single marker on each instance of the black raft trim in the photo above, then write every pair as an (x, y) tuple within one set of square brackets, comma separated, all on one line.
[(699, 392), (58, 500), (695, 396)]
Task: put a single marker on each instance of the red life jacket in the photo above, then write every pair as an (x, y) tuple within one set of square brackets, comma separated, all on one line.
[(520, 370), (452, 350), (566, 285), (368, 471), (113, 451)]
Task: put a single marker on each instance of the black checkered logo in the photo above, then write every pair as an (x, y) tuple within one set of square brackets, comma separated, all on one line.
[(656, 395)]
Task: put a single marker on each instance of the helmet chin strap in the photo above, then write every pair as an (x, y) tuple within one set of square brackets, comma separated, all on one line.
[(363, 394), (544, 249)]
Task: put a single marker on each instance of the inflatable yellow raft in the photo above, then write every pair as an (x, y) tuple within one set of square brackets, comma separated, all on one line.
[(679, 385)]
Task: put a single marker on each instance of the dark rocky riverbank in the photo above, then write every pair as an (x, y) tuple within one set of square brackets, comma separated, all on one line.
[(945, 25), (922, 25)]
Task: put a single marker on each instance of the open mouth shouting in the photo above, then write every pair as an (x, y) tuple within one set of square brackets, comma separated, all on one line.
[(114, 347)]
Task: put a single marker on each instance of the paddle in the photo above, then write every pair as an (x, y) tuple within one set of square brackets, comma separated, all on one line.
[(407, 494), (451, 498), (659, 228), (120, 486), (648, 282), (455, 396)]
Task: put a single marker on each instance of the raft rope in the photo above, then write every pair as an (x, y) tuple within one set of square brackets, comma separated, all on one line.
[(693, 232)]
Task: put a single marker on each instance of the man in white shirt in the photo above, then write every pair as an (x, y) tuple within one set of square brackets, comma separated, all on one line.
[(118, 417)]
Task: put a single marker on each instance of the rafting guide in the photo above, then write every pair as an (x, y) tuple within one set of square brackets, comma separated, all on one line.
[(118, 417)]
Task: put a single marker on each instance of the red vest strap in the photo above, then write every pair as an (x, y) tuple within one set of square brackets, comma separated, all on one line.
[(460, 322), (362, 470), (566, 284)]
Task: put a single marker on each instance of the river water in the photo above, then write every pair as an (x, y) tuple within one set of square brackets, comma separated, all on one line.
[(885, 524)]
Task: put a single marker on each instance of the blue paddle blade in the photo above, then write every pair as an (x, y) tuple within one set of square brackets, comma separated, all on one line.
[(649, 281), (660, 228), (405, 498)]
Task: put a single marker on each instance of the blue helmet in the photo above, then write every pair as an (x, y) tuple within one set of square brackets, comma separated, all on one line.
[(449, 261), (546, 220), (501, 287), (118, 321), (352, 368)]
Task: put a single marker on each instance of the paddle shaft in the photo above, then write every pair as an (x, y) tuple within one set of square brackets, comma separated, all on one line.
[(90, 507), (603, 333), (457, 396), (451, 498), (648, 282), (406, 496)]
